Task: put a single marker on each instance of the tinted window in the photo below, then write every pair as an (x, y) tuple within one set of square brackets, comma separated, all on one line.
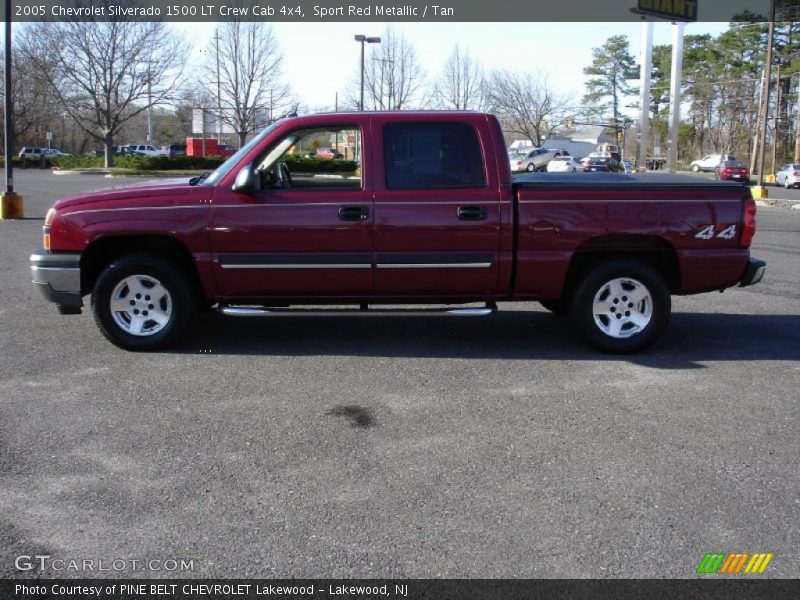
[(432, 155)]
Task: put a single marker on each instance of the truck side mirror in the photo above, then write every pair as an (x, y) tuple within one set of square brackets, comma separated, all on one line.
[(246, 181)]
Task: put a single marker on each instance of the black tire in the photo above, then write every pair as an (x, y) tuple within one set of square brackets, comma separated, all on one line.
[(695, 168), (530, 168), (557, 307), (633, 337), (176, 306)]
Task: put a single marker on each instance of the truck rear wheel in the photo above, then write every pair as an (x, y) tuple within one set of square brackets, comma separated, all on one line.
[(622, 306), (142, 302)]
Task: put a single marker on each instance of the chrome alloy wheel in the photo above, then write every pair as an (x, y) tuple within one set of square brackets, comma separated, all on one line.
[(622, 307), (141, 305)]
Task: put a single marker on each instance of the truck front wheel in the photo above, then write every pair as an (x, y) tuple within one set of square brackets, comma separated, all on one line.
[(622, 306), (142, 302)]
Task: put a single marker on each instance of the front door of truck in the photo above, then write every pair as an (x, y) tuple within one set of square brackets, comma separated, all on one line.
[(308, 232), (437, 209)]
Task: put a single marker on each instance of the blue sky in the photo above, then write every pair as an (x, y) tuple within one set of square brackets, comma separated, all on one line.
[(322, 58)]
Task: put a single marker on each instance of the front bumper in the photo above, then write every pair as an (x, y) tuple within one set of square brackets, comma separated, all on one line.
[(753, 273), (58, 277)]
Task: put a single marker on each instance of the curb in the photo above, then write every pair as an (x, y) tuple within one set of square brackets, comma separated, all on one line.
[(779, 203), (86, 172)]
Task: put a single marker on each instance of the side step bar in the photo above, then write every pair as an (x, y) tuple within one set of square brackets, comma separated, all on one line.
[(257, 311)]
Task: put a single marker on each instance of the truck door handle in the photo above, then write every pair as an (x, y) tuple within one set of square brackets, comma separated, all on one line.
[(472, 213), (354, 213)]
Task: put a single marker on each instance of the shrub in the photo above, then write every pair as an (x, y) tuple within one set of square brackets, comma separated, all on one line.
[(302, 164)]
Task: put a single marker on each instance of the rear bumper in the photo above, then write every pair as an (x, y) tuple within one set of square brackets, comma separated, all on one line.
[(58, 278), (753, 273)]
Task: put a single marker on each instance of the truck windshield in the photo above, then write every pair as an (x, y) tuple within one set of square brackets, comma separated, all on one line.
[(219, 173)]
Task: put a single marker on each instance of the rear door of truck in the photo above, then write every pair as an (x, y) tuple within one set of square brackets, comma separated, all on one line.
[(437, 206)]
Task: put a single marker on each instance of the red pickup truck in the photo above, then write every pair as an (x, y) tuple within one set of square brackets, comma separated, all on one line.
[(422, 210)]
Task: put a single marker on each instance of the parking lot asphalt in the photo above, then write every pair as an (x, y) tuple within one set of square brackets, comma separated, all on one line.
[(494, 447)]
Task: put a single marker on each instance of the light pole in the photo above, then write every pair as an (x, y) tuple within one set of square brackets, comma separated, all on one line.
[(362, 39), (11, 206)]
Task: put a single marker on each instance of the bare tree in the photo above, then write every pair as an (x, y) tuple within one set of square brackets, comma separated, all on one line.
[(525, 103), (106, 73), (392, 76), (250, 83), (34, 107), (461, 85)]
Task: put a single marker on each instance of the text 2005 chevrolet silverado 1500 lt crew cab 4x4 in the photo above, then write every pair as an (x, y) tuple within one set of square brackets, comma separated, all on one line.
[(427, 214)]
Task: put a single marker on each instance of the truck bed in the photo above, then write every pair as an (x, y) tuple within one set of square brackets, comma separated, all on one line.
[(605, 180)]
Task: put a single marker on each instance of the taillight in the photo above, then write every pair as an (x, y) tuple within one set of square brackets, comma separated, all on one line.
[(48, 221), (749, 223), (796, 173)]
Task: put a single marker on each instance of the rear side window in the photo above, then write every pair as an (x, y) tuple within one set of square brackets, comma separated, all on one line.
[(432, 155)]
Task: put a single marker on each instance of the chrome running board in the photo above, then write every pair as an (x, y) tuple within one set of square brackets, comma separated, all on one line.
[(259, 311)]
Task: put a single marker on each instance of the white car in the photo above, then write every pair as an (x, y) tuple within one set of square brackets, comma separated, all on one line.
[(53, 152), (146, 150), (534, 159), (710, 162), (564, 164), (788, 176)]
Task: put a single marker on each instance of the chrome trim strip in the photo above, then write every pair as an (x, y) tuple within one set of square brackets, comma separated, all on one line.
[(649, 201), (253, 311), (131, 208), (296, 266), (481, 265)]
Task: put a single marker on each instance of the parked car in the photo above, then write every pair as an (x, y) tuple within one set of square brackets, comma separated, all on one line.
[(55, 152), (32, 153), (122, 151), (412, 229), (328, 153), (146, 150), (788, 176), (534, 160), (561, 164), (602, 164), (226, 150), (175, 149), (734, 170), (710, 162)]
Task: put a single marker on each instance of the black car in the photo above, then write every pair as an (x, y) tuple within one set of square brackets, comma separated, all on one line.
[(603, 164), (176, 149)]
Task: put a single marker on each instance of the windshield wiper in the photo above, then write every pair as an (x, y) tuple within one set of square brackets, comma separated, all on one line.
[(198, 179)]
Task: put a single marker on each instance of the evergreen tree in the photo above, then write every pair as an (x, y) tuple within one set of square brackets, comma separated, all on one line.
[(612, 66)]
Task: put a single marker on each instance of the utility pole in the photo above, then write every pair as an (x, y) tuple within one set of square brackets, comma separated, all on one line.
[(646, 68), (363, 39), (775, 115), (675, 95), (11, 206), (149, 104), (765, 100), (219, 88), (797, 129)]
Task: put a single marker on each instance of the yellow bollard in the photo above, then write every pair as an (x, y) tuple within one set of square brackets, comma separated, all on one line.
[(758, 192), (12, 206)]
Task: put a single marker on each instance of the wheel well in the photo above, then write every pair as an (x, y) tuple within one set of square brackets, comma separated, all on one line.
[(651, 250), (101, 252)]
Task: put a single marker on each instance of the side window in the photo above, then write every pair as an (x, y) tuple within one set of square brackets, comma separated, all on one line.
[(321, 158), (432, 155)]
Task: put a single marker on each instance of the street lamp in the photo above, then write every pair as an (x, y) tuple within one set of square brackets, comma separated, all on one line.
[(369, 40)]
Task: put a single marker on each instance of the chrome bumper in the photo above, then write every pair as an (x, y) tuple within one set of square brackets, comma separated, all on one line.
[(58, 277)]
